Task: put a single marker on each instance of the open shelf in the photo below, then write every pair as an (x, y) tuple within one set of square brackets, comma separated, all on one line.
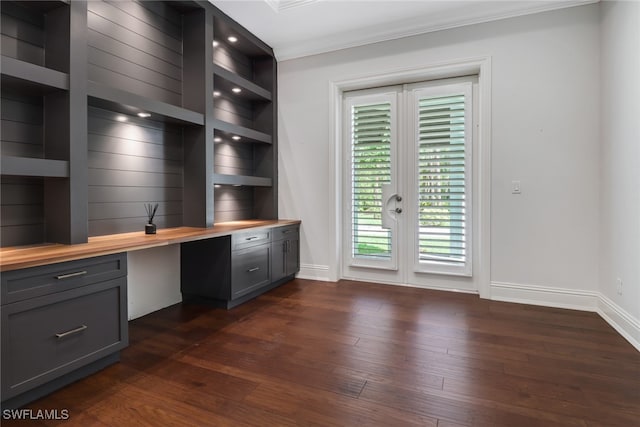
[(113, 99), (244, 180), (18, 74), (225, 81), (27, 166), (228, 130)]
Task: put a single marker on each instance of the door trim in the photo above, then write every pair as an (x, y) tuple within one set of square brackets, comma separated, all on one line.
[(458, 68)]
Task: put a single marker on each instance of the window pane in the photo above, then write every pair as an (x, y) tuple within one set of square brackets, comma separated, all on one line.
[(441, 180), (370, 169)]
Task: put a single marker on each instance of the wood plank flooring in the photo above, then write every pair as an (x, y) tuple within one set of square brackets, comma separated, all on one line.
[(356, 354)]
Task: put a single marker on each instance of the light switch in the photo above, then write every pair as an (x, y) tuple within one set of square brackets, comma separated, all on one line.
[(515, 187)]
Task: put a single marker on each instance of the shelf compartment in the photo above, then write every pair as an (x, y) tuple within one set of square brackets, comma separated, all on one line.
[(21, 74), (243, 180), (121, 101), (225, 80), (27, 166), (228, 130)]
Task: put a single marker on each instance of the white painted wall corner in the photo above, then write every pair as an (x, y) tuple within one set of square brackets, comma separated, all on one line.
[(619, 319)]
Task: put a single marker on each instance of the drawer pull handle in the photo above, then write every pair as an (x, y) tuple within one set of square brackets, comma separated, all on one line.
[(71, 332), (69, 275), (287, 231), (251, 238), (251, 270)]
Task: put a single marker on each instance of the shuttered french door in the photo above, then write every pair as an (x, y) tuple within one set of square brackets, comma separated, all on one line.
[(408, 184)]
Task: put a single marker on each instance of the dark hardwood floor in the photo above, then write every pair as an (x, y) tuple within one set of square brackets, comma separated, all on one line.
[(355, 354)]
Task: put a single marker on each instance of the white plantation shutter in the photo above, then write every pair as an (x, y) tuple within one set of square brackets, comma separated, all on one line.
[(370, 169), (444, 178)]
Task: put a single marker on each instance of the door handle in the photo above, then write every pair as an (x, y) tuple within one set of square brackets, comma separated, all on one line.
[(70, 275), (389, 208), (71, 332)]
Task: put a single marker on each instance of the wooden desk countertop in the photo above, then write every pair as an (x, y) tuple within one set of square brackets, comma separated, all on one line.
[(14, 258)]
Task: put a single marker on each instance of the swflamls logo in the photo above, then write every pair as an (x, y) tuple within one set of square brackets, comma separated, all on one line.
[(35, 414)]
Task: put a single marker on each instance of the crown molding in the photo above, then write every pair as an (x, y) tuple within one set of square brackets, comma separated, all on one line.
[(406, 28)]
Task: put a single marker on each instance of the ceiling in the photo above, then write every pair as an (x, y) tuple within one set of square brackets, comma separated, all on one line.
[(297, 28)]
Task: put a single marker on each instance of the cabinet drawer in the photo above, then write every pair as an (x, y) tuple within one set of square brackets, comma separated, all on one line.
[(32, 282), (250, 270), (46, 337), (286, 232), (249, 239)]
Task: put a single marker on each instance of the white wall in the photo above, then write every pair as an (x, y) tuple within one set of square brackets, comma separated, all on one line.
[(153, 280), (620, 163), (545, 124)]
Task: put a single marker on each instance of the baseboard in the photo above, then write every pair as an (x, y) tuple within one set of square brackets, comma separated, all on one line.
[(620, 320), (314, 272), (545, 296)]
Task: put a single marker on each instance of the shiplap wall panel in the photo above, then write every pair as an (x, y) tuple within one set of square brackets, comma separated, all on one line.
[(145, 24), (158, 14), (102, 45), (136, 48), (233, 203), (22, 109), (22, 211), (22, 33), (131, 163), (127, 225), (233, 159), (22, 126), (238, 112), (21, 200), (115, 64), (233, 60)]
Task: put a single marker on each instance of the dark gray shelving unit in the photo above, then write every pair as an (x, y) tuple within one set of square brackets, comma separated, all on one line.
[(43, 196), (245, 150), (107, 106)]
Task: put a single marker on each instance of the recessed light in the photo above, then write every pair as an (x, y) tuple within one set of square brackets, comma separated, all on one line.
[(216, 93), (237, 185), (232, 39), (144, 115), (215, 43), (217, 186), (121, 118), (235, 138), (236, 90), (217, 139)]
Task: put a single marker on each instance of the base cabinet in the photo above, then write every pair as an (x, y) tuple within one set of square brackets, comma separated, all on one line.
[(230, 270), (285, 260), (60, 319)]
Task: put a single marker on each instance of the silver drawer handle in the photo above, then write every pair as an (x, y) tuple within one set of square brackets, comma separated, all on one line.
[(287, 231), (251, 270), (66, 276), (71, 332), (251, 238)]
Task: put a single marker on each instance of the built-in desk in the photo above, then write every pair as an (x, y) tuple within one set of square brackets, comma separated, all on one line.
[(14, 258), (64, 307)]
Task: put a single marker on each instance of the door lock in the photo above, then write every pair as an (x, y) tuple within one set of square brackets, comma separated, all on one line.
[(398, 210), (398, 199)]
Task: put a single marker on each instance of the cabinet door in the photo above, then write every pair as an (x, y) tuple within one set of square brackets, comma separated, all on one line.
[(292, 256), (250, 270), (46, 337), (278, 260)]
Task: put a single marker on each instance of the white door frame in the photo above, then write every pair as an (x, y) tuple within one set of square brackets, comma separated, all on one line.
[(480, 66)]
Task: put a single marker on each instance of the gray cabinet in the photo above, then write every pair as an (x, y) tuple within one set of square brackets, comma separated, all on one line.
[(230, 270), (285, 252), (59, 319), (250, 269)]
